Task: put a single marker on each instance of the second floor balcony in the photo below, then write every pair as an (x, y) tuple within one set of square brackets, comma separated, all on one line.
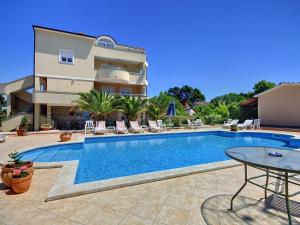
[(117, 74)]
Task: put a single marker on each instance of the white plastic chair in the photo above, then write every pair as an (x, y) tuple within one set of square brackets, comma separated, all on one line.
[(198, 123), (2, 138), (190, 124), (257, 124), (89, 125)]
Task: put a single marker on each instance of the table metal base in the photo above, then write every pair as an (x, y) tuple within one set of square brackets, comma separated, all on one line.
[(284, 177)]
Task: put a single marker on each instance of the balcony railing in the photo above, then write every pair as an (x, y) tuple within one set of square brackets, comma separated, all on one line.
[(120, 47), (68, 98), (109, 66), (125, 94)]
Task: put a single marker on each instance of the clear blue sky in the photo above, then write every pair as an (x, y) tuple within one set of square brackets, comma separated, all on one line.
[(217, 46)]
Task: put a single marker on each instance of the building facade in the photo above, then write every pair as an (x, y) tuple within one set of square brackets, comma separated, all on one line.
[(65, 64), (280, 106)]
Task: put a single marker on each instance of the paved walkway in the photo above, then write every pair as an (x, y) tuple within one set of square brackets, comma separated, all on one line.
[(190, 200)]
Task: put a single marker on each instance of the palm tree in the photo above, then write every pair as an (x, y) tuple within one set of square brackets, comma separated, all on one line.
[(155, 112), (132, 106), (99, 104)]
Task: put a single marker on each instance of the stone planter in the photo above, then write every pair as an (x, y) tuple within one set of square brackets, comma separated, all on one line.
[(7, 171), (21, 185)]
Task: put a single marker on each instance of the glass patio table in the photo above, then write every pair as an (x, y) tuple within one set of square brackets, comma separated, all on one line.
[(275, 162)]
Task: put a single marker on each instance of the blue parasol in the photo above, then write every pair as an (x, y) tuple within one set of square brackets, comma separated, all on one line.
[(171, 110)]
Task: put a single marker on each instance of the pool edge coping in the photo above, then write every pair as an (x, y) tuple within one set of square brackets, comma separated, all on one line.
[(64, 186)]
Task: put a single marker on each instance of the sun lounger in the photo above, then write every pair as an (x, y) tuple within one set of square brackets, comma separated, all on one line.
[(245, 125), (100, 127), (135, 127), (153, 126), (89, 125), (121, 128), (2, 138), (227, 122), (161, 124), (233, 122)]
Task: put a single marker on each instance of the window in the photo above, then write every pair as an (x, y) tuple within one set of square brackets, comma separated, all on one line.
[(125, 91), (66, 56), (106, 43), (109, 90)]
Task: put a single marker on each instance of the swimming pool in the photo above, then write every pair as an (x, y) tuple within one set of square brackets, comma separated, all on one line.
[(119, 156)]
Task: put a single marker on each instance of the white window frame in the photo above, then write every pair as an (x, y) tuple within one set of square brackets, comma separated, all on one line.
[(66, 51), (125, 91)]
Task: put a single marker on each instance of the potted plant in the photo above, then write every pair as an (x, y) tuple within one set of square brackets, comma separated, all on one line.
[(15, 162), (45, 127), (21, 179), (234, 127), (23, 128), (65, 136)]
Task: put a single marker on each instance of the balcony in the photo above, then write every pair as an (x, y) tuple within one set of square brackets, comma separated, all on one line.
[(121, 54), (66, 98), (110, 73), (116, 74)]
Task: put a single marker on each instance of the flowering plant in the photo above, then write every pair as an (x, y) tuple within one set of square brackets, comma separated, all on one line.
[(20, 172), (15, 158)]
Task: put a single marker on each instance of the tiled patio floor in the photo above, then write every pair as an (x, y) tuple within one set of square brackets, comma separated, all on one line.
[(194, 200)]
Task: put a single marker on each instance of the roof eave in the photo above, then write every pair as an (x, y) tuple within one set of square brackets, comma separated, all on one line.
[(276, 87), (62, 31)]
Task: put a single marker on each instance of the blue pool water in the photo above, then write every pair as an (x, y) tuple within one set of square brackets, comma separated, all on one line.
[(118, 156)]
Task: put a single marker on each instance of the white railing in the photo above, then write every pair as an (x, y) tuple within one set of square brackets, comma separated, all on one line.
[(119, 47)]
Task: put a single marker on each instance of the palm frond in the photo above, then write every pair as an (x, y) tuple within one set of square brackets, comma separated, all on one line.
[(99, 104)]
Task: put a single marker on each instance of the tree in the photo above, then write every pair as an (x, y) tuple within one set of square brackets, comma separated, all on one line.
[(186, 94), (234, 110), (131, 106), (212, 113), (262, 86), (99, 104), (229, 98), (197, 96), (155, 112), (162, 102)]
